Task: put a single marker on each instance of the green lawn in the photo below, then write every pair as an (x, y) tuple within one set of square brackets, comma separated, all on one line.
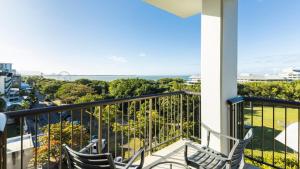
[(264, 135)]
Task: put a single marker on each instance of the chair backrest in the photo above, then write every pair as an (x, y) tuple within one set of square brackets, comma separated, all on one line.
[(238, 149), (76, 160)]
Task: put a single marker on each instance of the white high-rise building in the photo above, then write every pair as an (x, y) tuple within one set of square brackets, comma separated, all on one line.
[(291, 74), (5, 78), (5, 67), (5, 83)]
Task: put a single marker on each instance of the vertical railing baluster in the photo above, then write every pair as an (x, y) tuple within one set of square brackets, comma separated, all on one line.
[(134, 125), (145, 124), (3, 149), (176, 108), (285, 134), (236, 120), (232, 107), (262, 132), (230, 124), (128, 119), (177, 115), (298, 159), (140, 128), (251, 104), (21, 134), (174, 115), (72, 130), (273, 125), (242, 119), (60, 140), (200, 118), (164, 118), (181, 116), (116, 112), (108, 128), (81, 128), (49, 146), (100, 133), (171, 118), (122, 131), (159, 126), (187, 115), (91, 126), (167, 123), (150, 126), (193, 117), (239, 120), (155, 109), (36, 140)]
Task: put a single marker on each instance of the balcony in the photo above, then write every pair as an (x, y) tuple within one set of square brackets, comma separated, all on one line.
[(160, 123)]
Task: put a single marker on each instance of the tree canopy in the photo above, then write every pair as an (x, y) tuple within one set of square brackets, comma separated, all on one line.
[(70, 92), (132, 87)]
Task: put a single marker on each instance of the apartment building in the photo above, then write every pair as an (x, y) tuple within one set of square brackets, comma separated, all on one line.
[(5, 78), (291, 74)]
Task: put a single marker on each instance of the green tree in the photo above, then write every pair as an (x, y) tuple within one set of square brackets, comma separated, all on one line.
[(171, 84), (100, 87), (25, 104), (55, 143), (50, 88), (91, 98), (279, 90), (83, 81), (132, 87), (70, 92)]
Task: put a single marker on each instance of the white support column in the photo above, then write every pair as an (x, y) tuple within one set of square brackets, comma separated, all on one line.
[(218, 66)]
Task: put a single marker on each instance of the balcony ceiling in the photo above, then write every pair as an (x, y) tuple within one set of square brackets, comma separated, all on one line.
[(181, 8)]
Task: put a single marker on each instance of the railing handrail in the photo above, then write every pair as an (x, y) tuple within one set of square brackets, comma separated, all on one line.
[(236, 100), (132, 119), (239, 99), (191, 92), (55, 109), (268, 117)]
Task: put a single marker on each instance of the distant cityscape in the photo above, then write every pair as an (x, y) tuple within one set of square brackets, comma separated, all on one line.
[(14, 91), (11, 81), (289, 74)]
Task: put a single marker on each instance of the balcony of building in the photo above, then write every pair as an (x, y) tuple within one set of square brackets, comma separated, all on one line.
[(160, 123)]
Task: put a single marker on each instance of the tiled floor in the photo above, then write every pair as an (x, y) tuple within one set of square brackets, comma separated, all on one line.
[(174, 153)]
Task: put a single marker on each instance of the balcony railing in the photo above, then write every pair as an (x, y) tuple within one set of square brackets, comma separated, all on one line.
[(276, 130), (120, 126)]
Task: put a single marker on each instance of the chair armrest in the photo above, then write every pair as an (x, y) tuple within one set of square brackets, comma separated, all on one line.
[(209, 130), (89, 146), (204, 151), (136, 155), (86, 148)]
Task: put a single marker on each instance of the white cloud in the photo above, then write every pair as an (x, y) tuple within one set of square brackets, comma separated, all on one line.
[(118, 59), (142, 54)]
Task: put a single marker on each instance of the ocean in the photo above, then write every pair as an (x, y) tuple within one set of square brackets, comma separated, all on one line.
[(109, 78)]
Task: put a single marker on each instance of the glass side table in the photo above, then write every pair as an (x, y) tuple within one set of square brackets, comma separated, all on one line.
[(170, 165)]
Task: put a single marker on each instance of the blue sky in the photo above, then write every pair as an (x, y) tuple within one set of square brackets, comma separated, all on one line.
[(132, 37)]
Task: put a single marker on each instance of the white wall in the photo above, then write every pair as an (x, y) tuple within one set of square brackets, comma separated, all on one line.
[(218, 65)]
